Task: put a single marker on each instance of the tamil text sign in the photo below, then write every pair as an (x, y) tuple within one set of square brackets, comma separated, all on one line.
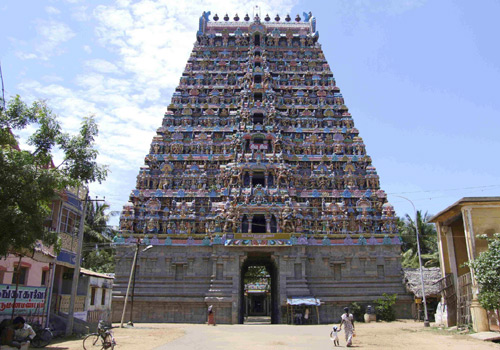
[(29, 300)]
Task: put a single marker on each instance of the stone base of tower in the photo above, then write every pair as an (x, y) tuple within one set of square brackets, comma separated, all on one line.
[(179, 283)]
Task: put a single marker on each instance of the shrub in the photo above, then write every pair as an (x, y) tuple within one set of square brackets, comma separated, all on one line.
[(384, 307), (357, 311)]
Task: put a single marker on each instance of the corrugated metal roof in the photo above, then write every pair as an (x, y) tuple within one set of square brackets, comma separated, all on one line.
[(95, 274)]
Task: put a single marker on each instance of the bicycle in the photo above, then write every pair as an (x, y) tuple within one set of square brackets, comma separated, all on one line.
[(43, 336), (103, 339)]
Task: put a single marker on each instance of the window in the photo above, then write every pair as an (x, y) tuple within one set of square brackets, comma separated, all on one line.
[(20, 275), (337, 272), (68, 221), (257, 79), (179, 272), (380, 271), (219, 272), (257, 96), (2, 273), (45, 276), (297, 271), (92, 295), (103, 297)]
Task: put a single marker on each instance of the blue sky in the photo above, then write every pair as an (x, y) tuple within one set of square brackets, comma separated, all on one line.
[(419, 78)]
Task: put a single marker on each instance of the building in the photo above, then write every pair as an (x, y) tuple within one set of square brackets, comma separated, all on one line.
[(41, 270), (458, 228), (257, 163), (93, 301), (413, 282)]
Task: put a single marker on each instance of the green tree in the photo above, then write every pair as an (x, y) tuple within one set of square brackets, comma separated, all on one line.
[(427, 238), (487, 272), (96, 223), (29, 179), (98, 254), (256, 274)]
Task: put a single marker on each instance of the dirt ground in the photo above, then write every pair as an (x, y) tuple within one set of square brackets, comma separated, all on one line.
[(141, 337), (407, 335)]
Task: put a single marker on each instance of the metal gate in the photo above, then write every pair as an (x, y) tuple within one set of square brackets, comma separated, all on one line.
[(464, 299)]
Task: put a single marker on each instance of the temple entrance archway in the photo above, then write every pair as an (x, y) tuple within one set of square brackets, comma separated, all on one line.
[(259, 288)]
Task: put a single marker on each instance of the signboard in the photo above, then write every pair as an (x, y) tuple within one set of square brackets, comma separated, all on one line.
[(29, 300), (67, 257), (261, 236)]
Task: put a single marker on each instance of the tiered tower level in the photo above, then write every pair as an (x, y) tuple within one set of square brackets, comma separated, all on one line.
[(258, 150)]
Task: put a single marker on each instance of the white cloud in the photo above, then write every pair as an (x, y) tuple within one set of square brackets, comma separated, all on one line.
[(52, 10), (80, 14), (51, 34), (25, 56), (52, 78), (102, 66), (151, 41)]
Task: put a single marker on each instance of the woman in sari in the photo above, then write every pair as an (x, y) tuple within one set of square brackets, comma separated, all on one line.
[(347, 320)]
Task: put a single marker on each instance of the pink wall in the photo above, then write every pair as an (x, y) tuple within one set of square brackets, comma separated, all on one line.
[(34, 275)]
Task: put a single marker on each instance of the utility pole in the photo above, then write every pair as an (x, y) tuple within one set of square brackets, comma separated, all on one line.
[(131, 281), (76, 272), (3, 89), (426, 317), (132, 270)]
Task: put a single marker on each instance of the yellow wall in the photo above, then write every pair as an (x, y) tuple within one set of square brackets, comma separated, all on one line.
[(460, 246), (485, 221), (446, 256)]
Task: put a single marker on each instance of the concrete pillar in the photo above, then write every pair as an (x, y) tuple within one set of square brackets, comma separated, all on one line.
[(479, 316)]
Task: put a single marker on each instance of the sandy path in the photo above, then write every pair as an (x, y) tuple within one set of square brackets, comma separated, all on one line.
[(406, 335), (141, 337)]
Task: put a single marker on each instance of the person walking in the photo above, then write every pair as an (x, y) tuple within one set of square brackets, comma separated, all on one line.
[(334, 336), (347, 320), (211, 315)]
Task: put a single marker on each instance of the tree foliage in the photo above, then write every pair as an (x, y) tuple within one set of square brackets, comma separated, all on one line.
[(29, 179), (97, 253), (256, 274), (487, 272), (427, 238), (384, 307)]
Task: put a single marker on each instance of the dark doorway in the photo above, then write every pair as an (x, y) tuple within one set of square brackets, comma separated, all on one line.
[(257, 79), (258, 178), (257, 96), (246, 179), (274, 225), (270, 180), (258, 118), (259, 223), (259, 289), (257, 40)]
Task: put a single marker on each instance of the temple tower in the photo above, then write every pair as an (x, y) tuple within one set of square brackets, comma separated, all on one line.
[(257, 163)]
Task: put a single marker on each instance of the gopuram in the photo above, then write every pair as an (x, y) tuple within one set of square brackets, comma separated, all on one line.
[(257, 163)]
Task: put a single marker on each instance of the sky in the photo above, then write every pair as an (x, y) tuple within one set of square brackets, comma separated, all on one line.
[(419, 77)]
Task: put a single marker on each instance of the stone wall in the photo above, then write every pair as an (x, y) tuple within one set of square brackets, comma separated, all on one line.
[(178, 283)]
